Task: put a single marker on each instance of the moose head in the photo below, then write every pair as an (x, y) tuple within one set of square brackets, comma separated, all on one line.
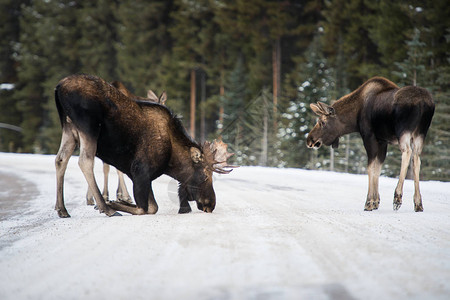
[(327, 129), (212, 157)]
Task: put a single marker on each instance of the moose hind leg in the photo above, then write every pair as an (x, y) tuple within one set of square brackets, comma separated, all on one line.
[(405, 148), (68, 144), (418, 144), (86, 162)]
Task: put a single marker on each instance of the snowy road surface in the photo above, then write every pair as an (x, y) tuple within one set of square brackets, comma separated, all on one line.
[(275, 234)]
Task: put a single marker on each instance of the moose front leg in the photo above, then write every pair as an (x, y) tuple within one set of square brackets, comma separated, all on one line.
[(376, 154), (184, 200), (141, 207), (373, 197)]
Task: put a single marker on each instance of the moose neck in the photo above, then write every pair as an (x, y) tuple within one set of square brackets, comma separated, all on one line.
[(180, 165), (347, 110)]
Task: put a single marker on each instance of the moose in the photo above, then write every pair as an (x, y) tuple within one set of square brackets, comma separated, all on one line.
[(383, 114), (122, 192), (142, 139)]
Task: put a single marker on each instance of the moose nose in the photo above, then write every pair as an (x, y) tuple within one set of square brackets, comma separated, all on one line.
[(311, 143)]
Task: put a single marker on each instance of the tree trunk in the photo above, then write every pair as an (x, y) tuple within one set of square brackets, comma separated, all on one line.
[(347, 152), (193, 92), (202, 108), (264, 141), (276, 75), (221, 108)]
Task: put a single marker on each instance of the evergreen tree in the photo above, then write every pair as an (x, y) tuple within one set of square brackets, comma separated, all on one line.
[(347, 22), (317, 84), (144, 48), (436, 154), (31, 73), (412, 69), (387, 26), (98, 36), (10, 140), (234, 103)]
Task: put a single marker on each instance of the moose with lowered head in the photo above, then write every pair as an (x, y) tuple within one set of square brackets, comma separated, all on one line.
[(142, 139), (383, 114), (122, 192)]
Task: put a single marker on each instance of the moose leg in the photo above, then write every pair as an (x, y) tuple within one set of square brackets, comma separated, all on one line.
[(105, 193), (405, 147), (376, 153), (373, 197), (86, 162), (122, 192), (418, 144), (68, 144), (142, 190), (152, 205), (89, 197), (184, 203)]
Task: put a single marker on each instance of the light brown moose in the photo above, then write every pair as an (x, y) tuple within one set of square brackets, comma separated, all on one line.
[(383, 114)]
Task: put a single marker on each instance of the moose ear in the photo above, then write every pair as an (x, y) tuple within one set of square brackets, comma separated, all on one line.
[(326, 109), (316, 109), (196, 155), (162, 99), (152, 96)]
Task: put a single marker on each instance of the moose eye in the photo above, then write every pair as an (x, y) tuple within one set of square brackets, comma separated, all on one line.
[(321, 123)]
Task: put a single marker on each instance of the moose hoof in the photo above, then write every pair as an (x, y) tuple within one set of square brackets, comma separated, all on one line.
[(371, 205), (418, 208), (116, 214), (397, 201), (125, 200), (184, 210), (63, 213)]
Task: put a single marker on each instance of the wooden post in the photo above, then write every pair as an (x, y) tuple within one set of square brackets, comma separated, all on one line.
[(193, 103)]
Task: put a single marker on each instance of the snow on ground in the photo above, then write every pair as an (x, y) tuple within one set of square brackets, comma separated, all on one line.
[(275, 234)]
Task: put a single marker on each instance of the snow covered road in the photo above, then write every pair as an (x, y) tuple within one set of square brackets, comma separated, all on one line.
[(275, 234)]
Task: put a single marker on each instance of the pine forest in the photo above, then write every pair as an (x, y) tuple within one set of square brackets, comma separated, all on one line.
[(246, 71)]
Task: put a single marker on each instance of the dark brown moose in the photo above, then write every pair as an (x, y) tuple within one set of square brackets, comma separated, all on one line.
[(122, 192), (383, 114), (140, 138)]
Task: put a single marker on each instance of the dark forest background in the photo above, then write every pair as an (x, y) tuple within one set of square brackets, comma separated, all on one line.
[(252, 67)]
